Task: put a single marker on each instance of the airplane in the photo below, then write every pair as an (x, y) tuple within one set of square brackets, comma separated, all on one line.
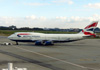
[(50, 39)]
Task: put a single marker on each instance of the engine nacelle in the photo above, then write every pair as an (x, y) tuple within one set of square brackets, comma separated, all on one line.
[(39, 43), (48, 43)]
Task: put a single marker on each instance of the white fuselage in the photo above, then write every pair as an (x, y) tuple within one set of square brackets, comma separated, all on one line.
[(31, 36)]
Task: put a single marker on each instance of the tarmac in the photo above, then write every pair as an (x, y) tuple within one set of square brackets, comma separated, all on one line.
[(79, 55)]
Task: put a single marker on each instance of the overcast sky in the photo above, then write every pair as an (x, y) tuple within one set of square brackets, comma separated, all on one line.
[(49, 13)]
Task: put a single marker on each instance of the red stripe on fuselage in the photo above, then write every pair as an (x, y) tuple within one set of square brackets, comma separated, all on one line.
[(23, 34)]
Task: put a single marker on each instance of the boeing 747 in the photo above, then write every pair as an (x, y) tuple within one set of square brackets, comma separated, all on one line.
[(50, 39)]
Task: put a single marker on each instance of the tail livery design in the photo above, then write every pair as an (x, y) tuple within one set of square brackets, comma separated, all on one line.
[(89, 30)]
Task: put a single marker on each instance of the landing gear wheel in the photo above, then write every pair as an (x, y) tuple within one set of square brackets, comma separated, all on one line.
[(17, 43)]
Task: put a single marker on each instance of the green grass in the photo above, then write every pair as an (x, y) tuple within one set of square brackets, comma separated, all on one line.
[(9, 32), (56, 32)]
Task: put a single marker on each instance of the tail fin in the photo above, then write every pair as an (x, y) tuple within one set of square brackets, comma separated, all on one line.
[(89, 30)]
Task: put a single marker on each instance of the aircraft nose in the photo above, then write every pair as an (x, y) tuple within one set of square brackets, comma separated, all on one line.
[(9, 37)]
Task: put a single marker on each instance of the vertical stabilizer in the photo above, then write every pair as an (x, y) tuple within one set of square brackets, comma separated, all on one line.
[(89, 30)]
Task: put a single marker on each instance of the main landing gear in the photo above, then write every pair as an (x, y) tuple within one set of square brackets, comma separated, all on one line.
[(16, 43), (44, 43)]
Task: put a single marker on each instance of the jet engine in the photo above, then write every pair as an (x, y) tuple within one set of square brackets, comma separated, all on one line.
[(39, 43), (48, 43)]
